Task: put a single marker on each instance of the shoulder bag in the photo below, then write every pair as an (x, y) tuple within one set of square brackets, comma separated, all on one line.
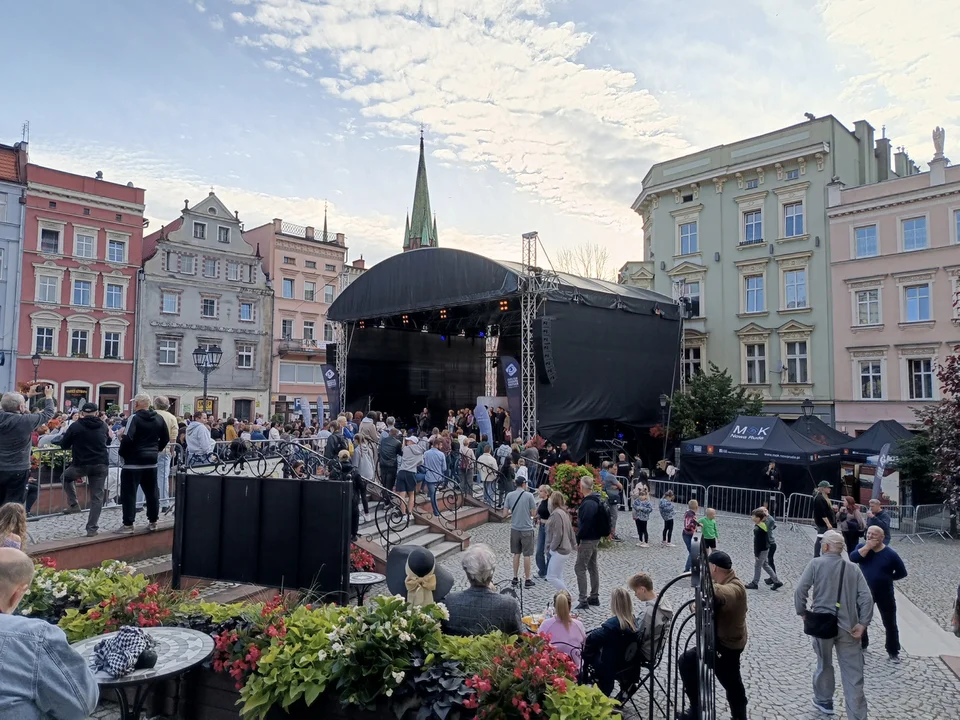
[(824, 625)]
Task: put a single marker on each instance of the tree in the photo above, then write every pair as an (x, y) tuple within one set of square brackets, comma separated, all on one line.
[(942, 423), (710, 401), (588, 260), (915, 463)]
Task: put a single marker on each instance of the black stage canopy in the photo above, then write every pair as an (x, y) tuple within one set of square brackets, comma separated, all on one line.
[(737, 455), (817, 430), (873, 439), (605, 352)]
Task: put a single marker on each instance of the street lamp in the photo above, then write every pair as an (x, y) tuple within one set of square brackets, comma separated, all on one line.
[(207, 359), (663, 421), (36, 366), (807, 407)]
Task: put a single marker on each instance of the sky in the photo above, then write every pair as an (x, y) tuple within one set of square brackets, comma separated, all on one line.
[(537, 114)]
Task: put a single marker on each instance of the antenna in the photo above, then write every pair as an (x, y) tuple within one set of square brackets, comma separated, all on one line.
[(25, 131)]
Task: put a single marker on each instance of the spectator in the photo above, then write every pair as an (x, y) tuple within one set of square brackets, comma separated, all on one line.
[(614, 489), (666, 512), (561, 540), (435, 464), (730, 624), (563, 631), (881, 566), (488, 475), (531, 458), (710, 531), (13, 525), (144, 436), (642, 586), (593, 524), (771, 524), (388, 455), (87, 438), (165, 459), (480, 609), (42, 676), (543, 514), (407, 474), (257, 433), (823, 515), (605, 648), (200, 445), (830, 577), (522, 506), (230, 432), (689, 528), (761, 550), (642, 510), (16, 428), (850, 522), (877, 516), (344, 471)]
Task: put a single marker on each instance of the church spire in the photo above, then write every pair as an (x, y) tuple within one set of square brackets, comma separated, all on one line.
[(324, 236), (419, 232)]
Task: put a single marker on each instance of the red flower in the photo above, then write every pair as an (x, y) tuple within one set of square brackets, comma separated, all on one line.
[(94, 615)]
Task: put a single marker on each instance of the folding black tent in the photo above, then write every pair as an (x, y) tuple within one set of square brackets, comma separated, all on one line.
[(881, 433), (817, 430), (737, 455)]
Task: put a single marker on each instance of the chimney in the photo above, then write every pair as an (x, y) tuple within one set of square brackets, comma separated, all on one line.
[(311, 232), (277, 225), (23, 159), (359, 264), (902, 163), (868, 169), (833, 192), (340, 239), (883, 159)]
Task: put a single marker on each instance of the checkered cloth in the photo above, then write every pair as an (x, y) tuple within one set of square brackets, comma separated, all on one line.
[(118, 655)]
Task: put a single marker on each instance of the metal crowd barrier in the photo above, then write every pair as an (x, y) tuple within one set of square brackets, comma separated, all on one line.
[(684, 492), (933, 520), (800, 510), (728, 500)]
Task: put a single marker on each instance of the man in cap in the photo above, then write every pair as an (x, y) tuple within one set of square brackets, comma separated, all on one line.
[(730, 626), (88, 439)]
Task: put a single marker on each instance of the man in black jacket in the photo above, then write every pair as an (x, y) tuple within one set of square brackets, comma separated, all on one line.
[(142, 439), (592, 524), (87, 438), (390, 450)]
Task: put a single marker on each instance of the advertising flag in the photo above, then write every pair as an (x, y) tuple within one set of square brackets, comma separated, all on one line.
[(482, 416), (511, 382), (331, 378)]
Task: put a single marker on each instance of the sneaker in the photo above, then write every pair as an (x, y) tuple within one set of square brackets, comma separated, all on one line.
[(644, 545), (594, 601), (825, 708), (639, 544), (72, 510), (669, 544), (894, 658), (152, 527), (777, 585), (515, 582), (111, 504), (768, 581), (582, 606), (363, 519), (124, 530), (91, 533), (542, 576), (751, 586), (617, 538), (529, 584)]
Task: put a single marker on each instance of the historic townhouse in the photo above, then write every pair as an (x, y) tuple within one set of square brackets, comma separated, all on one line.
[(13, 184)]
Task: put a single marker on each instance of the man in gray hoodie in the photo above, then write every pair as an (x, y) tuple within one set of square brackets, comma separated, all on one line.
[(16, 427)]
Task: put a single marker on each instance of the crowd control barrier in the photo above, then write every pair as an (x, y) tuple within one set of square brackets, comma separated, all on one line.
[(743, 501)]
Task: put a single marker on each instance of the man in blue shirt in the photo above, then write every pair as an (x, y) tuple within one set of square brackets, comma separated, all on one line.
[(435, 465), (881, 566), (878, 517)]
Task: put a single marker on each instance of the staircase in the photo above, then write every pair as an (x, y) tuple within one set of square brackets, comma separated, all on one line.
[(423, 535)]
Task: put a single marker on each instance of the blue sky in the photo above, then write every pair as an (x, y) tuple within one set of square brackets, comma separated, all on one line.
[(539, 114)]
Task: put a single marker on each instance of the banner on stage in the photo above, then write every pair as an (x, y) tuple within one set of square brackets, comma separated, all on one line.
[(482, 417), (511, 382), (331, 379), (305, 409)]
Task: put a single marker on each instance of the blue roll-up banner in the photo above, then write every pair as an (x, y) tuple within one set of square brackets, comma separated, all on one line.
[(511, 382), (331, 379), (320, 409), (482, 416), (305, 409), (882, 462)]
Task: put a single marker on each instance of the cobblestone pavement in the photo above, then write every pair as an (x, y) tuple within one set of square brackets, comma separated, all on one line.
[(62, 527), (933, 572)]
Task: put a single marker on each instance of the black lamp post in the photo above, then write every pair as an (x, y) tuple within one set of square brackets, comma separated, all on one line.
[(807, 407), (207, 360), (36, 366)]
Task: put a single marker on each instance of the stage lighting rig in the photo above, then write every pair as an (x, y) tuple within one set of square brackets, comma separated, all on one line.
[(406, 320), (504, 305), (363, 324), (443, 314)]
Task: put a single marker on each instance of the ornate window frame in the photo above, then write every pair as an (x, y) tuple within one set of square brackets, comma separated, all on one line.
[(787, 196), (858, 285), (753, 334), (790, 263), (683, 217), (793, 331), (863, 354), (748, 203), (911, 279), (918, 351), (46, 319), (753, 268)]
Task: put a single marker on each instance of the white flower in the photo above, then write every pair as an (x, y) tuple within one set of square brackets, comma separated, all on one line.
[(322, 655), (398, 677), (405, 637), (403, 622), (331, 636), (444, 611), (336, 647), (389, 692), (26, 610)]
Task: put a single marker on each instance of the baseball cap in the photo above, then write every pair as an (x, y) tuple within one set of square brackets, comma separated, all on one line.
[(410, 438), (824, 483), (521, 480), (89, 408), (721, 560)]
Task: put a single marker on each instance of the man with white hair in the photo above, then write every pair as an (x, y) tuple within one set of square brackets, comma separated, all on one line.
[(480, 609), (142, 439), (838, 589), (881, 566), (43, 677), (16, 427)]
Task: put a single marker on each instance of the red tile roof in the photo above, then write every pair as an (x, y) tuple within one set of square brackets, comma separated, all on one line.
[(8, 165)]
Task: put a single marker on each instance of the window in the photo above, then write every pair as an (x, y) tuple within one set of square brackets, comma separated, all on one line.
[(871, 387), (308, 330), (288, 288), (920, 377), (81, 292), (915, 234), (327, 332), (43, 341), (692, 363), (173, 261), (78, 343), (866, 241), (793, 174), (210, 268), (233, 271), (328, 293), (868, 307), (49, 241), (288, 372), (113, 297), (244, 355), (752, 227), (86, 211), (753, 294), (797, 362), (52, 204), (111, 345), (116, 251), (691, 291), (223, 234), (286, 329), (756, 364), (752, 184), (795, 289), (208, 307), (171, 303), (688, 238), (47, 287), (249, 273), (333, 268), (167, 351), (310, 264), (246, 311), (289, 260), (200, 230), (793, 219), (3, 207), (83, 245), (917, 301), (310, 291), (956, 225), (188, 264)]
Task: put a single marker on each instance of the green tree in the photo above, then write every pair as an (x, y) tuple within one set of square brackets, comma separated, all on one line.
[(710, 401), (915, 461)]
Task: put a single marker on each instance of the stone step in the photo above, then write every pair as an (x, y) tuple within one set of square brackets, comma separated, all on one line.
[(445, 548), (427, 540)]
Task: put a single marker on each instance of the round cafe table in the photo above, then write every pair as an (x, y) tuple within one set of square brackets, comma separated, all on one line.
[(362, 582), (178, 650)]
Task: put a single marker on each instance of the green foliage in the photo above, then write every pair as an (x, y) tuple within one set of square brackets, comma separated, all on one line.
[(276, 418), (436, 690), (474, 653), (113, 410), (579, 702), (53, 592), (710, 401), (915, 461), (218, 613)]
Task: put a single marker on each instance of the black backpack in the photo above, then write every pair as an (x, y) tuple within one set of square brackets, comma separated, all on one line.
[(604, 526)]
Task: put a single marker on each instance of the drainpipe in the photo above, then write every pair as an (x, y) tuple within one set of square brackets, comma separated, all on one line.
[(136, 333), (16, 315)]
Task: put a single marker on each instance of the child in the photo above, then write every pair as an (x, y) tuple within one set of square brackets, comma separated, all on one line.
[(761, 548), (771, 524), (13, 526), (564, 631), (709, 526), (666, 512), (689, 528), (642, 509)]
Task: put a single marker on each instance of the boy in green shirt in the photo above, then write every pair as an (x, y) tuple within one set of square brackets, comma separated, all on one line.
[(709, 526)]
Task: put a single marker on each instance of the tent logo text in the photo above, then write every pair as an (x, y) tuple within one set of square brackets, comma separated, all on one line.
[(749, 432)]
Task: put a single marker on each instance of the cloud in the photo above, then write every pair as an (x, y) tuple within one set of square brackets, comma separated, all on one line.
[(216, 22), (272, 65)]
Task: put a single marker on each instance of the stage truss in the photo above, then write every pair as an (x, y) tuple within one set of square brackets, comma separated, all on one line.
[(535, 283)]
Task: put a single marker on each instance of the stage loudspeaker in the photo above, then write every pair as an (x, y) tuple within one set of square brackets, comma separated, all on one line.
[(332, 355), (543, 338)]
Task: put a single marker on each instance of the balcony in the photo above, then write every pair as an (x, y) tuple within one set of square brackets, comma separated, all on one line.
[(300, 345)]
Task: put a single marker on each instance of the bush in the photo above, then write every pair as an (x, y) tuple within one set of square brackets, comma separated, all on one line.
[(579, 702), (474, 653), (565, 479)]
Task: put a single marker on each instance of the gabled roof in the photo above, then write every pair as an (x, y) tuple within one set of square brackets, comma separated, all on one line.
[(817, 430), (882, 432), (10, 165)]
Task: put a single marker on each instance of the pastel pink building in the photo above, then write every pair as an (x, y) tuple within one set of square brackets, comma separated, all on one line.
[(895, 266), (82, 248)]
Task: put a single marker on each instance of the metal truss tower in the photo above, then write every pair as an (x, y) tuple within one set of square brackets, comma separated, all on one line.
[(534, 283)]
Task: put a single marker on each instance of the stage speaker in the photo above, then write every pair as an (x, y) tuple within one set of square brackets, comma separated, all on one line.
[(332, 355), (543, 339)]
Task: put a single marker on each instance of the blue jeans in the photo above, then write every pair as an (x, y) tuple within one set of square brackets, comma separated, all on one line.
[(488, 494), (687, 539), (541, 555), (432, 491)]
